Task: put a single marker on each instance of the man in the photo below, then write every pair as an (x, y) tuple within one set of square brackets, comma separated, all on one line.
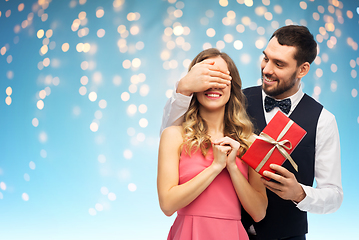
[(286, 61)]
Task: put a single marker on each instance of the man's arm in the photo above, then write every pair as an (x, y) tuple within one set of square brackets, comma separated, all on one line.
[(202, 76), (174, 110), (328, 194)]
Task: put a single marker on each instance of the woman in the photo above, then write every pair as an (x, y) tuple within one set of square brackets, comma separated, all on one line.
[(200, 174)]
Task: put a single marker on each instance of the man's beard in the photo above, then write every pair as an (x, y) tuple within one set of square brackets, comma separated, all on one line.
[(281, 88)]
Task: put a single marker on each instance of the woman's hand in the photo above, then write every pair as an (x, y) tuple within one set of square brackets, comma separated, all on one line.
[(220, 155), (234, 147)]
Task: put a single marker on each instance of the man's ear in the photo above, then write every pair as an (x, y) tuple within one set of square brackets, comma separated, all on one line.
[(303, 70)]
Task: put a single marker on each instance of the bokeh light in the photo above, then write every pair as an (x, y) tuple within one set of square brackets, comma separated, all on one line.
[(84, 84)]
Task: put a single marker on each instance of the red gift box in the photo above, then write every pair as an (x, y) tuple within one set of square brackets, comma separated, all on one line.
[(275, 144)]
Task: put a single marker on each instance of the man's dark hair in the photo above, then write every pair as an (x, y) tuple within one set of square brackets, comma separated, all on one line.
[(300, 38)]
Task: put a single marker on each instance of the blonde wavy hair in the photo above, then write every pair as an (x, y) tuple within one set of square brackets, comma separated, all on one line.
[(236, 121)]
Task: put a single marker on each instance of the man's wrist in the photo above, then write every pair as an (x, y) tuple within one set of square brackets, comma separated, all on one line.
[(301, 196), (182, 90)]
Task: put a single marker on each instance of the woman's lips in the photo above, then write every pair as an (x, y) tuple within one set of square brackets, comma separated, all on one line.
[(213, 95)]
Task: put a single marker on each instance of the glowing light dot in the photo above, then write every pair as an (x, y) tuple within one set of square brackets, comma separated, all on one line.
[(126, 64), (43, 137), (3, 186), (143, 122), (125, 96), (303, 5), (84, 80), (92, 212), (142, 108), (132, 187), (92, 96), (333, 86), (94, 127), (99, 207), (223, 3), (127, 154), (40, 33), (317, 90), (82, 90), (98, 114), (43, 153), (132, 109), (8, 100), (353, 73), (238, 44), (65, 47), (10, 74), (104, 190), (46, 62), (354, 93), (111, 196), (42, 94), (334, 68), (245, 58), (32, 165), (169, 93), (140, 45), (144, 90), (210, 32), (35, 122), (220, 45), (131, 16), (21, 7), (178, 30), (319, 72), (117, 80), (100, 33), (25, 197), (86, 47), (141, 137), (132, 88), (260, 43), (99, 13), (134, 30), (82, 15), (40, 104), (101, 158), (278, 9), (26, 177), (102, 103), (228, 38), (136, 62), (8, 91)]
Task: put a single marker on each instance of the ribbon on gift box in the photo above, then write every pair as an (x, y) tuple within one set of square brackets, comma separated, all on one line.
[(279, 144)]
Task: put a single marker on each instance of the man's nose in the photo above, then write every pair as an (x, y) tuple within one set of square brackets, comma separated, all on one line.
[(267, 68)]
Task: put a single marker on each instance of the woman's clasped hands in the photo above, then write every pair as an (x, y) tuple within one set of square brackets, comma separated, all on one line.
[(225, 152)]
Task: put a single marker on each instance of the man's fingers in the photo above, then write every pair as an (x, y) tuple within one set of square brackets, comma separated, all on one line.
[(207, 61), (271, 185), (273, 176), (280, 170), (215, 71)]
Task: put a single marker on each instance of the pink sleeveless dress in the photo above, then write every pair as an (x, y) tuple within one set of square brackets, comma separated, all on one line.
[(216, 212)]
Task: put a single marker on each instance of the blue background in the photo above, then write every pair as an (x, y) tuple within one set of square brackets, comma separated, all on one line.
[(62, 179)]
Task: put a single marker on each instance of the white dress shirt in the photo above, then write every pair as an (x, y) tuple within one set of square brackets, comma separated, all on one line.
[(327, 196)]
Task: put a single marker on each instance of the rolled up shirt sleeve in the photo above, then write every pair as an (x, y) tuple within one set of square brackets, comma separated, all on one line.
[(327, 196), (175, 108)]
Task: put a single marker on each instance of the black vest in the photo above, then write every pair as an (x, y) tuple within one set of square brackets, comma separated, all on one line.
[(283, 218)]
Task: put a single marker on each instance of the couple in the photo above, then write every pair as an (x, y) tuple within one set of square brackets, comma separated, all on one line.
[(200, 174)]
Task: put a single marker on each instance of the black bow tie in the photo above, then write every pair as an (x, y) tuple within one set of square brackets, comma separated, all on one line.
[(270, 103)]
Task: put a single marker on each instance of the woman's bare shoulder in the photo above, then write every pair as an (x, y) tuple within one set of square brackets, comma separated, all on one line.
[(173, 132)]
